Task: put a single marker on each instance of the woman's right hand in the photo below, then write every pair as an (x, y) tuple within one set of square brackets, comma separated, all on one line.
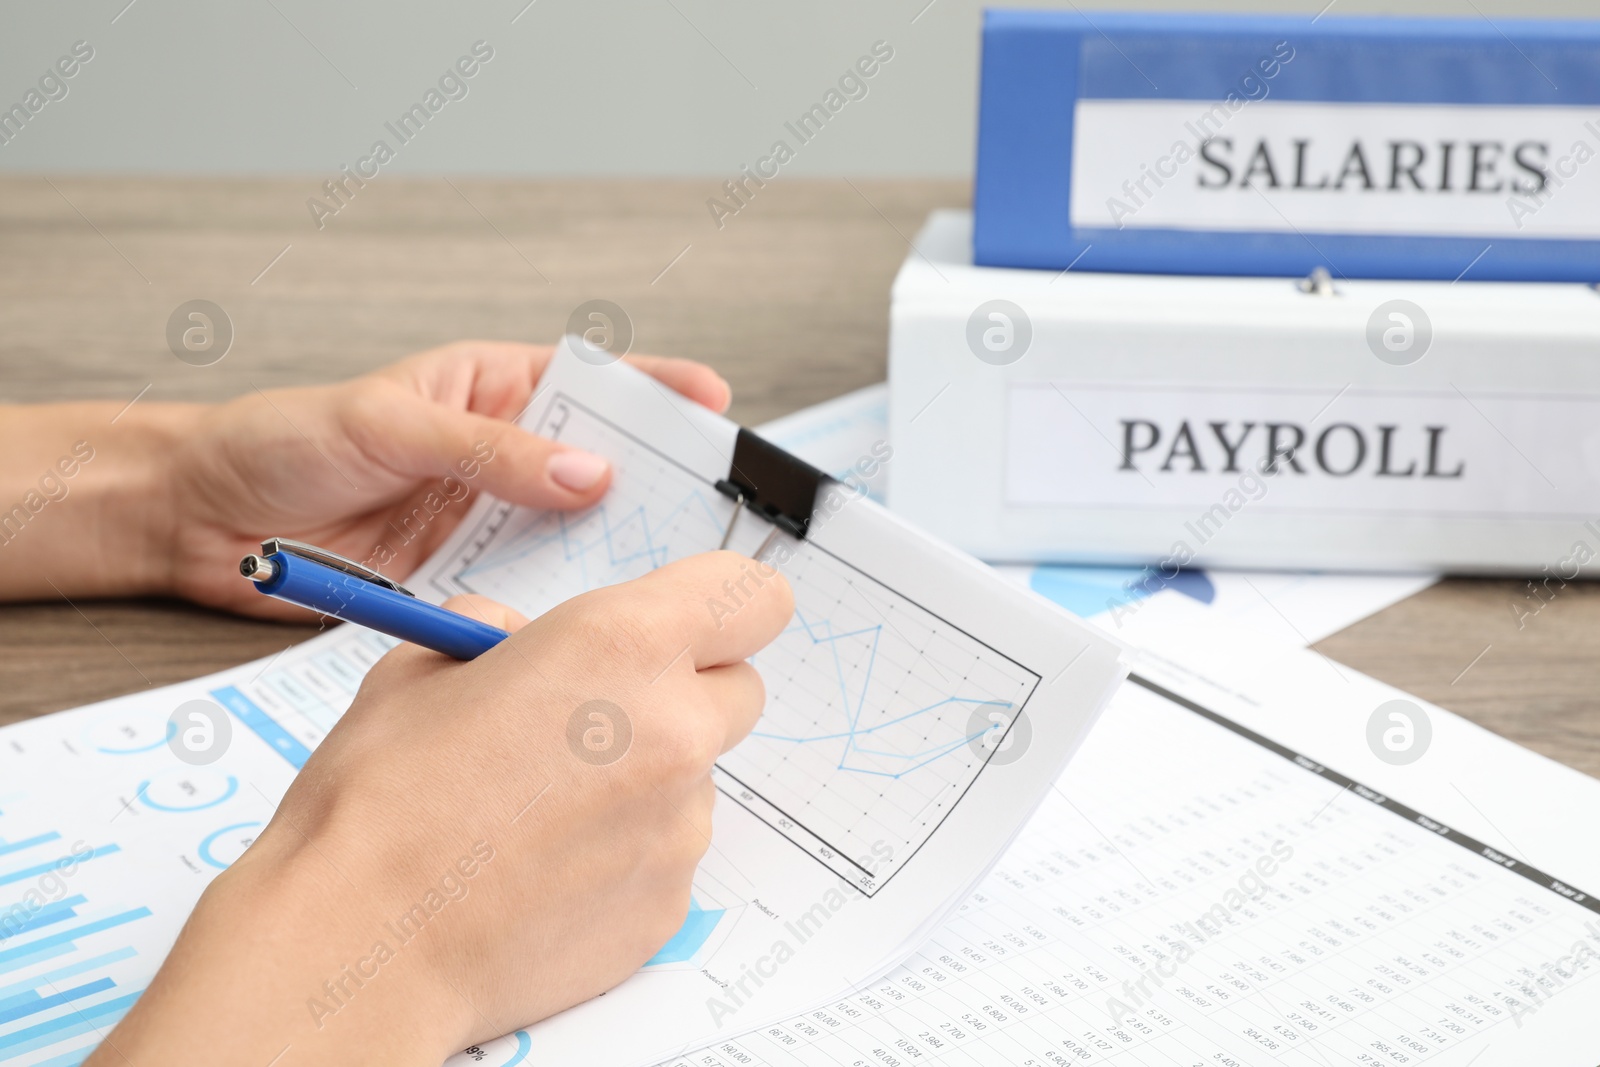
[(476, 846)]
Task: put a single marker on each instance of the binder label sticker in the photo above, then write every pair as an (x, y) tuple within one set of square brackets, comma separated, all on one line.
[(1220, 451), (1287, 166)]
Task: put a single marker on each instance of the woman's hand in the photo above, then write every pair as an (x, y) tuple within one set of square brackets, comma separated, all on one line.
[(379, 468), (166, 498), (475, 846)]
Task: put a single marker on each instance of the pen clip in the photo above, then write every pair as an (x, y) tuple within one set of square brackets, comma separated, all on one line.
[(273, 545)]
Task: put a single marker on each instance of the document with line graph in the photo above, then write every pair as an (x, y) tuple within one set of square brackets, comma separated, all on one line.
[(916, 711)]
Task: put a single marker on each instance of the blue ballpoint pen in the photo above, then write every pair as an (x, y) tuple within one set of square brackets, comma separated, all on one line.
[(328, 583)]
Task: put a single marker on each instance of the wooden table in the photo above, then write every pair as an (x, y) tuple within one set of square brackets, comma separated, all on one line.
[(789, 300)]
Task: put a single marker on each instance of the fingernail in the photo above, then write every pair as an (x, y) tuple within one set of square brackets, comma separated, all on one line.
[(577, 471)]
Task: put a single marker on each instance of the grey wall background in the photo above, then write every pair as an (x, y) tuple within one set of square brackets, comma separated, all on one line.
[(602, 87)]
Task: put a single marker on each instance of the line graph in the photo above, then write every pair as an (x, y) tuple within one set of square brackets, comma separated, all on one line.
[(868, 741), (875, 705), (900, 762)]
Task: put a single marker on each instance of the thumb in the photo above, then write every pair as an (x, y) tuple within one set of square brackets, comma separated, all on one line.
[(424, 439)]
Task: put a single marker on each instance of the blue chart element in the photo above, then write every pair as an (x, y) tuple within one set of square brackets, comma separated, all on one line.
[(172, 731), (631, 540), (524, 1046), (263, 725), (45, 868), (821, 633), (690, 938), (211, 839), (29, 842), (143, 793), (1088, 591)]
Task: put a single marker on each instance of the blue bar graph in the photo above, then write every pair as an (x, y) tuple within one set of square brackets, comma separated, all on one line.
[(60, 1010)]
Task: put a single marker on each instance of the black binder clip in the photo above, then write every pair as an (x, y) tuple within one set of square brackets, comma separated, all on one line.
[(774, 484)]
